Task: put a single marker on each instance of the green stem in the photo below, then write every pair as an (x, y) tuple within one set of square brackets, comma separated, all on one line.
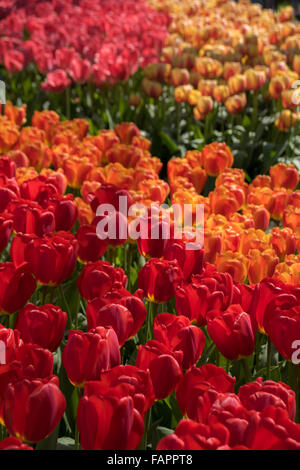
[(246, 369), (268, 359), (65, 306)]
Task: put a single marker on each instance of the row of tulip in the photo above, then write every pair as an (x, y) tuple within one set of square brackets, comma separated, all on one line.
[(226, 71), (120, 344)]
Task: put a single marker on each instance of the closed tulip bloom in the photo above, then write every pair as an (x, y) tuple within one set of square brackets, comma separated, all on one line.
[(164, 366), (259, 394), (207, 291), (283, 328), (158, 279), (17, 286), (232, 332), (51, 258), (234, 263), (216, 157), (108, 420), (126, 316), (36, 362), (136, 381), (272, 429), (190, 261), (33, 408), (262, 264), (98, 278), (86, 355), (196, 382), (91, 247), (284, 176), (271, 295), (178, 334), (43, 325), (29, 217), (236, 103), (12, 340)]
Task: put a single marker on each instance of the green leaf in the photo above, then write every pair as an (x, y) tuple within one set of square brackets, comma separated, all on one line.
[(168, 142)]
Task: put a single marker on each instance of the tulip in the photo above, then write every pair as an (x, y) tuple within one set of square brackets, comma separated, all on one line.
[(50, 258), (232, 332), (91, 247), (196, 382), (33, 408), (98, 278), (158, 279), (178, 334), (164, 366), (283, 328), (126, 316), (262, 264), (190, 435), (136, 381), (190, 261), (86, 355), (208, 291), (216, 157), (236, 264), (269, 295), (116, 421), (44, 325), (29, 217), (272, 430), (17, 286), (236, 103), (259, 394), (284, 176), (12, 443)]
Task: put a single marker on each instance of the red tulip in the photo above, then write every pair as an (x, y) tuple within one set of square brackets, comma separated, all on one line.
[(91, 247), (179, 335), (190, 435), (126, 316), (29, 217), (12, 341), (190, 261), (268, 295), (272, 430), (33, 408), (164, 366), (44, 325), (232, 332), (51, 258), (12, 443), (158, 279), (282, 325), (98, 278), (135, 381), (196, 382), (207, 291), (17, 286), (86, 355), (108, 420), (259, 394)]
